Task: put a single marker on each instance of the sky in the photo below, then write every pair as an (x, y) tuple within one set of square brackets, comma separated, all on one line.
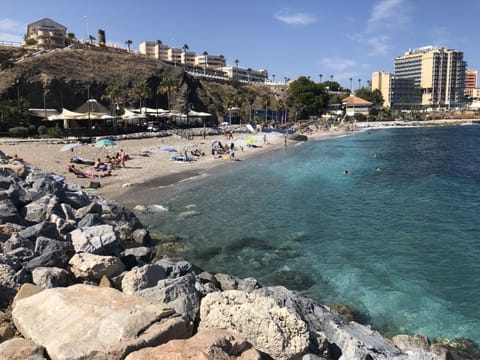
[(288, 38)]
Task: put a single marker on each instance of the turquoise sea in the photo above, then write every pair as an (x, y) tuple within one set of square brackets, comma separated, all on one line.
[(401, 245)]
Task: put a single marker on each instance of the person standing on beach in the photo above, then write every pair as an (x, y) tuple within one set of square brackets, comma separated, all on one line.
[(123, 157), (285, 141)]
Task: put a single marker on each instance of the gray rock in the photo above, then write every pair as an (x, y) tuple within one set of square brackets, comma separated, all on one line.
[(38, 183), (50, 277), (42, 208), (91, 208), (21, 349), (75, 197), (43, 228), (9, 213), (22, 253), (99, 240), (107, 326), (226, 281), (8, 284), (50, 253), (17, 241), (330, 334), (93, 267), (141, 236), (175, 268), (179, 293), (91, 220), (45, 244), (141, 253), (142, 277)]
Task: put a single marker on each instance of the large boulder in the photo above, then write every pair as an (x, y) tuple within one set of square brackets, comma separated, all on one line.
[(99, 240), (271, 328), (150, 282), (21, 349), (89, 322), (86, 266), (206, 344)]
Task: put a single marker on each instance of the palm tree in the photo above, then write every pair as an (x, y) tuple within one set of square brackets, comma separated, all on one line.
[(266, 100), (166, 86), (91, 38), (129, 42), (249, 70), (185, 48), (140, 91), (236, 64), (331, 77), (359, 81), (70, 38), (320, 76), (112, 94), (351, 89), (205, 54)]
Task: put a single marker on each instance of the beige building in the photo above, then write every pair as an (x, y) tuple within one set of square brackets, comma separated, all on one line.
[(438, 75), (212, 61), (382, 81), (46, 34), (179, 56), (246, 75)]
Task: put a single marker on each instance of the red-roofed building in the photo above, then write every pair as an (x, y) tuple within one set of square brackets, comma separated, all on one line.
[(353, 104)]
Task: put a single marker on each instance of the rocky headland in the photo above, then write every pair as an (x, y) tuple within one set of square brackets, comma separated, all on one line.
[(79, 280)]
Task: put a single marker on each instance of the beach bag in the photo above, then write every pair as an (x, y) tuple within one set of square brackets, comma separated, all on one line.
[(94, 185)]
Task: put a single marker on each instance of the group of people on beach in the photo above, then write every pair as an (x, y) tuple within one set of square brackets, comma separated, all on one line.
[(99, 168)]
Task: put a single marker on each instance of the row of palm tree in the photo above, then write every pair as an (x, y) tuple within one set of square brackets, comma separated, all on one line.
[(140, 92)]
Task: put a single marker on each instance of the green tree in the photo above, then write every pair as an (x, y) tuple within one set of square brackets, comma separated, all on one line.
[(112, 94), (167, 85), (140, 92), (306, 97), (375, 96)]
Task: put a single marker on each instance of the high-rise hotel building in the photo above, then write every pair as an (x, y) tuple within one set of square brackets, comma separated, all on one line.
[(438, 76)]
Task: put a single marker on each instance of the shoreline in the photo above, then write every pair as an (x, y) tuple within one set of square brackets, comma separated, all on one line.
[(150, 166)]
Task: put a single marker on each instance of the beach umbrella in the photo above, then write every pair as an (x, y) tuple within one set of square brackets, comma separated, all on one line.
[(70, 147), (104, 142), (169, 149)]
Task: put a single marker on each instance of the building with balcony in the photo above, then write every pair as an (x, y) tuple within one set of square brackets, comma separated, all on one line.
[(46, 34), (438, 76), (471, 79), (212, 61), (245, 75)]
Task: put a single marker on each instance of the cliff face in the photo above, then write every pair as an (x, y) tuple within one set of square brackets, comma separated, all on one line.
[(68, 77)]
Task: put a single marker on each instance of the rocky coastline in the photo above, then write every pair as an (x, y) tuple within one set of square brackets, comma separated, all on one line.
[(78, 280)]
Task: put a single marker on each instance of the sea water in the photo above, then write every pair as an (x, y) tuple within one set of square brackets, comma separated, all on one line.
[(400, 245)]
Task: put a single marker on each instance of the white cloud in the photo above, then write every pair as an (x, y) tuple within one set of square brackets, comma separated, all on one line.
[(11, 30), (388, 14), (338, 64), (294, 18)]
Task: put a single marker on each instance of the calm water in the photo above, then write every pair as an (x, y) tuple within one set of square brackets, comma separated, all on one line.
[(401, 245)]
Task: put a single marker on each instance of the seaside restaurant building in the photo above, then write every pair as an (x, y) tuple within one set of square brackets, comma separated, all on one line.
[(356, 105)]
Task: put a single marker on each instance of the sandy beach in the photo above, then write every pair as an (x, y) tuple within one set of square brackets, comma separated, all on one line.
[(148, 159)]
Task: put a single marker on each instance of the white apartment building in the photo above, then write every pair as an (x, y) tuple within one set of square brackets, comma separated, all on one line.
[(246, 75)]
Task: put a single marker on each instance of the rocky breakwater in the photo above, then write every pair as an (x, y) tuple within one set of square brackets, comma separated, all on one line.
[(77, 281)]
